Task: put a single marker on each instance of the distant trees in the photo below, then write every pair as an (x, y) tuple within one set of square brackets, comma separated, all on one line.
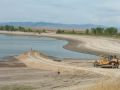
[(11, 28), (60, 31), (111, 31), (93, 31), (98, 31), (87, 31), (22, 29), (102, 31), (1, 28)]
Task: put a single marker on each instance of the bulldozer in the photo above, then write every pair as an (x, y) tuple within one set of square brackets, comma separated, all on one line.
[(107, 62)]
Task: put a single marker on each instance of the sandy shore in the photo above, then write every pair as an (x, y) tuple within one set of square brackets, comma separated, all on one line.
[(90, 44)]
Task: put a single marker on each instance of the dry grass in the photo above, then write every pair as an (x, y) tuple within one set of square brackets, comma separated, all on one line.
[(110, 85)]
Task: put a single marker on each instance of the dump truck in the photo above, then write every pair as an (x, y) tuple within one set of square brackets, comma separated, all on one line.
[(107, 62)]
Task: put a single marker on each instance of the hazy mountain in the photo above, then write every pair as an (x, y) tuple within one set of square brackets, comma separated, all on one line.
[(50, 25)]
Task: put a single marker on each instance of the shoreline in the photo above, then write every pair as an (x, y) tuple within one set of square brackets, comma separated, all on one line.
[(72, 42), (70, 46)]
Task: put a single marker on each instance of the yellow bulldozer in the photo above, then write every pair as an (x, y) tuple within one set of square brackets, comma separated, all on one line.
[(107, 62)]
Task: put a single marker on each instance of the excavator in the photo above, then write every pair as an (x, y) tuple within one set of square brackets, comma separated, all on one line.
[(109, 61)]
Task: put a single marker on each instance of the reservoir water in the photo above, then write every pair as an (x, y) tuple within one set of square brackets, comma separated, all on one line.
[(14, 45)]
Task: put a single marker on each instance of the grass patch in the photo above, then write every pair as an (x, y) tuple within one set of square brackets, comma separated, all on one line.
[(16, 87)]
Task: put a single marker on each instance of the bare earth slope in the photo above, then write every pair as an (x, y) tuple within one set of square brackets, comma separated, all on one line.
[(40, 73)]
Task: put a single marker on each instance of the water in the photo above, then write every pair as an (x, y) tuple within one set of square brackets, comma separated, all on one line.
[(14, 45)]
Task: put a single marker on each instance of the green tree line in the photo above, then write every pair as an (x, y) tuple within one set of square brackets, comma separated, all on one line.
[(98, 31), (19, 28), (59, 31), (102, 31)]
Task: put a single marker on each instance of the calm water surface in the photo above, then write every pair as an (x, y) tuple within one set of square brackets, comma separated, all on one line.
[(14, 45)]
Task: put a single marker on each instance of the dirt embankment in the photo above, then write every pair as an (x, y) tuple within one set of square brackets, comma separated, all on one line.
[(41, 73), (38, 61)]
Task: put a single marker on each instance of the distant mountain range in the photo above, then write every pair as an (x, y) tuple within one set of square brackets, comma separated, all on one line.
[(51, 25)]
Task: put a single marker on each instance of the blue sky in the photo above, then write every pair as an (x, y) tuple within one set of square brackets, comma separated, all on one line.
[(104, 12)]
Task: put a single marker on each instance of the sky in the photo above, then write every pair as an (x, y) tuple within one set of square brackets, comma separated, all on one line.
[(101, 12)]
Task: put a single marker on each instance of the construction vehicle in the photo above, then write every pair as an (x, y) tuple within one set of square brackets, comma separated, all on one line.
[(107, 62)]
